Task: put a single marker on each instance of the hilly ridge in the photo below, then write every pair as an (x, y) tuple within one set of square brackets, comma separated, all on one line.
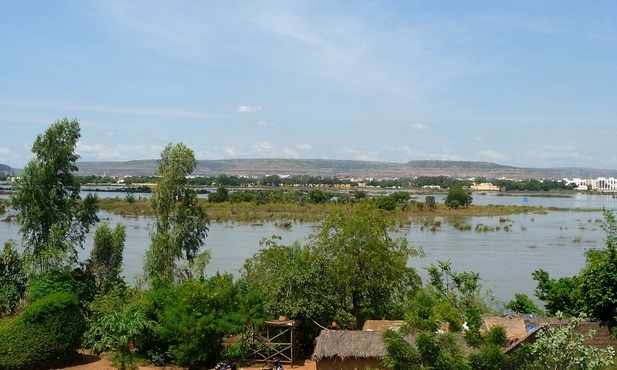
[(347, 168)]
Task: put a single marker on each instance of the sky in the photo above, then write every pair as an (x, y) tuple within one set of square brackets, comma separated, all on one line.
[(519, 83)]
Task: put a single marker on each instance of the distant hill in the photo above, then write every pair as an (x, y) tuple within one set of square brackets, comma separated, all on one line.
[(348, 168), (6, 170)]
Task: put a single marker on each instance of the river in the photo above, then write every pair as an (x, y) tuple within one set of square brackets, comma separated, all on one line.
[(505, 255)]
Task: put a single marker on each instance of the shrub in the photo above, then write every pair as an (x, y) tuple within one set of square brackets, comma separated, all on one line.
[(12, 279), (49, 329), (193, 319)]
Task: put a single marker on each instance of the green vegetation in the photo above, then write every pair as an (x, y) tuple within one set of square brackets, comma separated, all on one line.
[(52, 216), (105, 261), (458, 197), (563, 348), (48, 329), (13, 279), (351, 269), (593, 291), (181, 223), (453, 298)]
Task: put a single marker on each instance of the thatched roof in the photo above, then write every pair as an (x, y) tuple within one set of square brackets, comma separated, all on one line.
[(382, 325), (349, 343), (514, 325), (362, 344)]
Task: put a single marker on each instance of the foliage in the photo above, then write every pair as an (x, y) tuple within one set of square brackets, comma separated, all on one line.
[(522, 304), (453, 298), (48, 329), (599, 277), (317, 196), (106, 257), (430, 202), (386, 203), (561, 295), (193, 318), (62, 280), (372, 276), (13, 279), (181, 224), (53, 218), (431, 349), (221, 195), (292, 281), (563, 348), (594, 291), (117, 333), (129, 197), (457, 196)]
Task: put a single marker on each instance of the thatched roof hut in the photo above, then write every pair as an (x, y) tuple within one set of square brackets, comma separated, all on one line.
[(349, 350)]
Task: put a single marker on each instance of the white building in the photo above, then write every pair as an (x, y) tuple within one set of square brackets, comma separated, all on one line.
[(601, 184)]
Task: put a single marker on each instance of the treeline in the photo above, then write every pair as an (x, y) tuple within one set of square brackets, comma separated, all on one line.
[(443, 182)]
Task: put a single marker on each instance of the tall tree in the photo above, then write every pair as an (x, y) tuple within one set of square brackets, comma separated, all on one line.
[(181, 224), (54, 219), (369, 263), (106, 256)]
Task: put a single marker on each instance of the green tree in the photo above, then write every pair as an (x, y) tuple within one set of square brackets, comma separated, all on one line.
[(562, 295), (563, 348), (449, 297), (54, 219), (13, 279), (181, 224), (194, 318), (221, 195), (430, 202), (457, 193), (594, 291), (522, 304), (106, 256), (317, 196), (370, 265), (599, 277), (293, 279)]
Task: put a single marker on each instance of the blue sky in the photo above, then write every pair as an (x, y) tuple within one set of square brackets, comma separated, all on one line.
[(520, 83)]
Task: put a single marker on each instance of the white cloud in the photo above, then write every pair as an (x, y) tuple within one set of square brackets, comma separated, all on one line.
[(5, 151), (230, 151), (263, 147), (161, 138), (248, 109), (362, 155), (264, 123), (304, 146), (102, 152), (491, 155), (109, 133), (418, 126), (288, 152)]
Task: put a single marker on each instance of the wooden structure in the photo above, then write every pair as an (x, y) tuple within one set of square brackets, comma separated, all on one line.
[(279, 341)]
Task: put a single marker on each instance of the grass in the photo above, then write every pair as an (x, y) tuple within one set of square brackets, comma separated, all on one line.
[(293, 212)]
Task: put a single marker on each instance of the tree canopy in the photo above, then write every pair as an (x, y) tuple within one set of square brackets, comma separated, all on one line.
[(369, 263), (181, 223), (54, 219), (457, 196)]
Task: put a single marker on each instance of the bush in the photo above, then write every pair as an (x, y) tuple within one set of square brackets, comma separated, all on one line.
[(193, 319), (49, 329), (73, 281)]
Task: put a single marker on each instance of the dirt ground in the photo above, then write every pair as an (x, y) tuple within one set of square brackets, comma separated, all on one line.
[(85, 361)]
